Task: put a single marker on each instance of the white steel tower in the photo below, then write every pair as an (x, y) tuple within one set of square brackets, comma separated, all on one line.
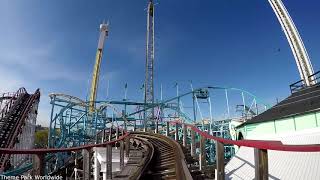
[(299, 51), (148, 85)]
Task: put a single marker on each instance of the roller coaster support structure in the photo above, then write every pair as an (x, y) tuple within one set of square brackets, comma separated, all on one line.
[(17, 127)]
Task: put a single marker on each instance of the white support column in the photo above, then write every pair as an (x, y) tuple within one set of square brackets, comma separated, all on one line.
[(110, 134), (117, 136), (86, 164), (97, 165), (156, 130), (109, 162), (184, 131)]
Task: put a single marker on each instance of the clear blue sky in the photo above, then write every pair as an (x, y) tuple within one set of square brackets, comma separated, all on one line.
[(51, 45)]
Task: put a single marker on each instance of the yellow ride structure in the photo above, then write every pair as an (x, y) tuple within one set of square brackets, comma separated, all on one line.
[(96, 69)]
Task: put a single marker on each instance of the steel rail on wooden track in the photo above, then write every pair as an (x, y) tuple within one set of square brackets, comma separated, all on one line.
[(166, 149), (146, 160)]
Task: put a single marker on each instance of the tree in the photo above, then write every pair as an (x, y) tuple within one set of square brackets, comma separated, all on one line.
[(41, 138)]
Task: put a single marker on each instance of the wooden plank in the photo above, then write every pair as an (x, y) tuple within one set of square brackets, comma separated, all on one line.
[(121, 155), (193, 143), (86, 164), (261, 164), (220, 174), (156, 130), (176, 135), (127, 146), (38, 164), (109, 161), (202, 155), (167, 129)]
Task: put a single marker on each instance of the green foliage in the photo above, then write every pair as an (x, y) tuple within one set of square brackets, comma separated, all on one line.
[(41, 138)]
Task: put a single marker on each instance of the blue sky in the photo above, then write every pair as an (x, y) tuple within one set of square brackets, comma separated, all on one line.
[(51, 45)]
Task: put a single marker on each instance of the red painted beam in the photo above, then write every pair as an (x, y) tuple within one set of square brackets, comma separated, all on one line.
[(54, 150)]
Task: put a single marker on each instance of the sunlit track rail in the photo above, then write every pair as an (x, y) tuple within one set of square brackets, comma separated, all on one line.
[(168, 161), (140, 157)]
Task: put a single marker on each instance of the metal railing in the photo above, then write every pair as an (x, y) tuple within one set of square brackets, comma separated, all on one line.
[(299, 85), (40, 154), (261, 148), (314, 78)]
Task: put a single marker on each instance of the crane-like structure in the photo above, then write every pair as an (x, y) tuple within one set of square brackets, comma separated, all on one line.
[(96, 69), (149, 84), (299, 51)]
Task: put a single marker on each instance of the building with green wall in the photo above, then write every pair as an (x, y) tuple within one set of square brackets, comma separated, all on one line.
[(299, 111)]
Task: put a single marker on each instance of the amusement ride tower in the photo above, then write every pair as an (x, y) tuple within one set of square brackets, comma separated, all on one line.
[(299, 51), (149, 84)]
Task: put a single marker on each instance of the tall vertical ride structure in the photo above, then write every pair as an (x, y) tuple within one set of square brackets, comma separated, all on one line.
[(96, 69), (295, 41), (149, 85)]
